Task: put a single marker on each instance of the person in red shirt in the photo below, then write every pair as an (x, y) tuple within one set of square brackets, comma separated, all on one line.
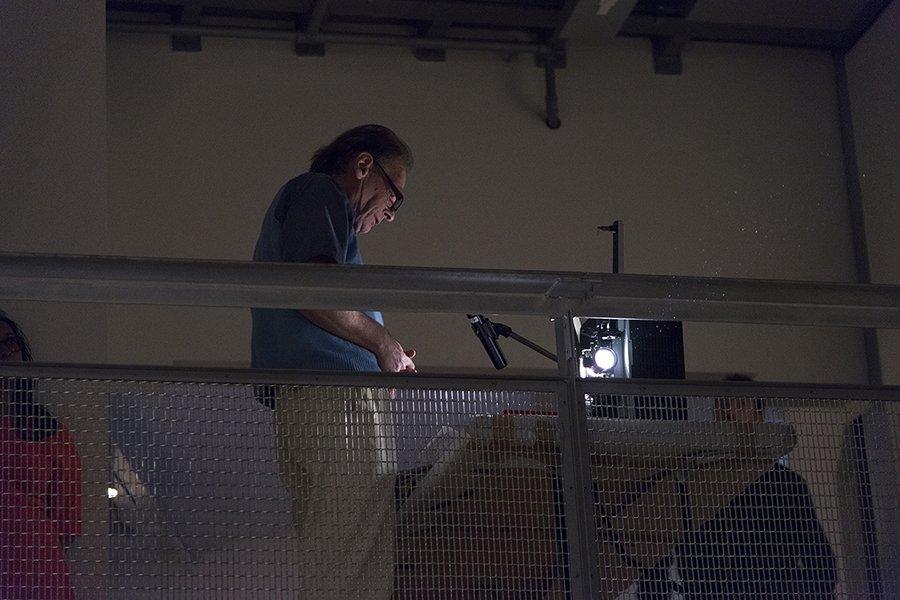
[(40, 486)]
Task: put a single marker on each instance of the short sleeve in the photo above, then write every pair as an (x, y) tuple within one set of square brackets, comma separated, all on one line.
[(317, 221)]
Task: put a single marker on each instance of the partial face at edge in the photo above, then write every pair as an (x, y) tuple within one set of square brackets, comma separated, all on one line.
[(9, 350), (738, 410)]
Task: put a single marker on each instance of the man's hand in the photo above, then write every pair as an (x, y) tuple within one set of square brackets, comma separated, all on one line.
[(359, 328), (392, 358)]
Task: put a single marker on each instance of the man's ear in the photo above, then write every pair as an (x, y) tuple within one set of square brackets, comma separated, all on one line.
[(363, 165)]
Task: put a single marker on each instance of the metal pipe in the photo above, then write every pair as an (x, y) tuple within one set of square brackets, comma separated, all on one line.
[(529, 344), (116, 280), (735, 33), (327, 38)]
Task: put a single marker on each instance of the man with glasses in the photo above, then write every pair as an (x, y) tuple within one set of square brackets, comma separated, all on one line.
[(335, 445), (354, 184)]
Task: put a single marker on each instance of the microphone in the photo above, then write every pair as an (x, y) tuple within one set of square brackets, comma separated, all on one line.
[(484, 331)]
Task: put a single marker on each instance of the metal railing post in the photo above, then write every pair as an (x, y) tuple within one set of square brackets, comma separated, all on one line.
[(881, 473), (581, 530)]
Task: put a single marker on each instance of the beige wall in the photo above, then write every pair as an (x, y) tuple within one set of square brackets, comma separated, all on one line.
[(53, 199), (873, 72), (732, 169), (53, 157)]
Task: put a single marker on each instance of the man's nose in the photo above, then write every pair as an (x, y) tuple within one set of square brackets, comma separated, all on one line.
[(388, 214)]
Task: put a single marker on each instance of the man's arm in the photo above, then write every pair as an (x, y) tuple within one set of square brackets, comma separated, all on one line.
[(808, 541), (317, 227), (357, 327)]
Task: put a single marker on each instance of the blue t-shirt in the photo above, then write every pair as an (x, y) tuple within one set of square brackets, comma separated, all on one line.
[(310, 217)]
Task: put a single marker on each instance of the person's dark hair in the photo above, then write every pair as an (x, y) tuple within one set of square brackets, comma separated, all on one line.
[(17, 331), (378, 140), (32, 421)]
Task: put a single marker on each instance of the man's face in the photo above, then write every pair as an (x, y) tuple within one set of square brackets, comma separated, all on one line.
[(738, 410), (10, 349), (377, 197)]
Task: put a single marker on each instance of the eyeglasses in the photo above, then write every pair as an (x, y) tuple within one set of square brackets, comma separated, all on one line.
[(395, 191)]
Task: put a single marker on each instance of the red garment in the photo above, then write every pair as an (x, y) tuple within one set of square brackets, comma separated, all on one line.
[(40, 508)]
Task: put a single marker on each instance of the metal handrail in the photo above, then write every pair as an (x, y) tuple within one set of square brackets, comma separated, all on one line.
[(118, 280), (440, 381)]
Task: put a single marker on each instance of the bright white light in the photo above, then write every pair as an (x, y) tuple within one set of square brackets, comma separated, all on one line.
[(605, 359), (112, 492)]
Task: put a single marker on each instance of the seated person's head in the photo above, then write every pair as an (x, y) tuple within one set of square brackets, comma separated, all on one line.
[(32, 422), (740, 409), (13, 344)]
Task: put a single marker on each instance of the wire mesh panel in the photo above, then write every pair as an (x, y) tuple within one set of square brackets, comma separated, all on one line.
[(52, 541), (195, 490), (198, 509), (742, 497), (146, 489), (480, 518)]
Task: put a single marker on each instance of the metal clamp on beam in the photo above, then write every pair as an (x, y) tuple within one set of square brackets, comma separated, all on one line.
[(189, 14), (430, 54), (304, 48), (307, 43), (667, 54), (439, 28)]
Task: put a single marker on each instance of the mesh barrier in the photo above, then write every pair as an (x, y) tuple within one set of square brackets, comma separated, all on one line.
[(741, 497), (128, 489)]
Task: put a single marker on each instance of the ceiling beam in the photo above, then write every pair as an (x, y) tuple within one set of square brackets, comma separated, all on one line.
[(331, 38), (866, 17), (594, 21), (654, 27), (665, 8), (464, 12), (476, 13)]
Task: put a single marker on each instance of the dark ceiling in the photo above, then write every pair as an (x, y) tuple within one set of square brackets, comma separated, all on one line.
[(539, 27), (517, 20), (811, 23)]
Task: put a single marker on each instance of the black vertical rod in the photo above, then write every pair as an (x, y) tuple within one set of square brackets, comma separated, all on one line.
[(855, 203), (552, 100), (618, 257), (618, 261)]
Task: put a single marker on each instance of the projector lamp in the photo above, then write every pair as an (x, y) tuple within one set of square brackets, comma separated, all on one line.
[(602, 346)]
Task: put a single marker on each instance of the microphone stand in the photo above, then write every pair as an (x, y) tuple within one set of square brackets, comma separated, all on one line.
[(506, 331), (493, 330)]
